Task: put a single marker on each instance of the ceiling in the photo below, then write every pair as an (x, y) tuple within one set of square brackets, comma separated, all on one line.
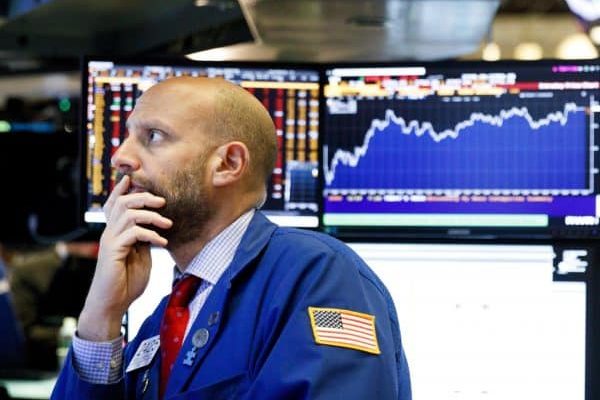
[(64, 30), (307, 30), (54, 34), (337, 30)]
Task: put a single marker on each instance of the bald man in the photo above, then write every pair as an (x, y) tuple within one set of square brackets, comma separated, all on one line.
[(274, 313)]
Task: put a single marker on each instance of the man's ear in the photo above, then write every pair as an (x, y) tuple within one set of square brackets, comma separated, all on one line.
[(229, 163)]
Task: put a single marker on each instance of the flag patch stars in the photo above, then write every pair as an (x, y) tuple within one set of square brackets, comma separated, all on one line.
[(344, 328)]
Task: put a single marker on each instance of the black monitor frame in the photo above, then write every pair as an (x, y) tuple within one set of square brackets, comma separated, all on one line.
[(455, 232), (438, 232), (309, 217)]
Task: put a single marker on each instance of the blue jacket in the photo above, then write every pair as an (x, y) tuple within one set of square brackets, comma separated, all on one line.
[(260, 339), (12, 338)]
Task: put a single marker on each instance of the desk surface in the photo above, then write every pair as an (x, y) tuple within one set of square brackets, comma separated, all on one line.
[(29, 389)]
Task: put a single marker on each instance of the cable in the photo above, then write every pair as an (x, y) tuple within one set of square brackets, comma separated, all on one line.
[(32, 225)]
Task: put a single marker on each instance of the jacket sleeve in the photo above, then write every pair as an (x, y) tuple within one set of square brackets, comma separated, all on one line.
[(291, 365)]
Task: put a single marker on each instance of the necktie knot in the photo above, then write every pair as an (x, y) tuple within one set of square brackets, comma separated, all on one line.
[(184, 291)]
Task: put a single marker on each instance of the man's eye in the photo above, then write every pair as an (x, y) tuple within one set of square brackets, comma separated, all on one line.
[(154, 135)]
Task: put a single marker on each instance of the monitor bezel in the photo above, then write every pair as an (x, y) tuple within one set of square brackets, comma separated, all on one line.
[(182, 61), (448, 233)]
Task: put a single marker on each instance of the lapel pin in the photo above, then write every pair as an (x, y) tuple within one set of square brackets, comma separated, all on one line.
[(145, 381), (200, 338), (190, 356), (213, 318)]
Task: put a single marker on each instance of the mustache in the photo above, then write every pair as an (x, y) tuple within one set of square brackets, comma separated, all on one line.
[(119, 175)]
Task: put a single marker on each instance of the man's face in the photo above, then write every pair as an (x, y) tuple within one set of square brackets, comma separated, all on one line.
[(187, 203), (166, 154)]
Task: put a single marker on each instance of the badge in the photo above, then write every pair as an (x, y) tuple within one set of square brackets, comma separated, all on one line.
[(144, 354)]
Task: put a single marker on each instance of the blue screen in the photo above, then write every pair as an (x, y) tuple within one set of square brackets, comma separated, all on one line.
[(481, 146)]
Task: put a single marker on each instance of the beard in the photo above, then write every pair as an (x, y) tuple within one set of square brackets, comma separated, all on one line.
[(187, 204)]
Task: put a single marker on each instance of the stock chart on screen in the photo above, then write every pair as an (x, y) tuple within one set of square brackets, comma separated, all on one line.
[(463, 147), (290, 94)]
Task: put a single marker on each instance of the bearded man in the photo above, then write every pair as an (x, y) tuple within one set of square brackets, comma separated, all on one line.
[(257, 311)]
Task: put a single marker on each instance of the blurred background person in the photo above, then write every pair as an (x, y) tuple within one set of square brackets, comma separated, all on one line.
[(47, 284), (11, 334)]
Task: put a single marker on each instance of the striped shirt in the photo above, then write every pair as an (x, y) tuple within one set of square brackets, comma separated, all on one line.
[(101, 362)]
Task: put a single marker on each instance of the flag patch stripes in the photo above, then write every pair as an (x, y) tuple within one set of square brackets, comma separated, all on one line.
[(344, 328)]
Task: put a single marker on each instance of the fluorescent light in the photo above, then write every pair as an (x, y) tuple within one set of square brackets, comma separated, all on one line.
[(491, 52), (392, 71), (218, 54), (586, 9), (528, 51), (576, 47), (595, 34)]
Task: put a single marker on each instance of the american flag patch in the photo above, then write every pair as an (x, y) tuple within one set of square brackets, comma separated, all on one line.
[(344, 328)]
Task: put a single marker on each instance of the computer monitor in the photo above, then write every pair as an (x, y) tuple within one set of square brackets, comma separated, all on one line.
[(462, 149), (289, 92), (493, 321)]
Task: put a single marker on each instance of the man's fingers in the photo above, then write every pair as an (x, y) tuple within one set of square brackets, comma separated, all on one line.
[(132, 201), (135, 236), (132, 217), (140, 200), (139, 234), (149, 218), (120, 188)]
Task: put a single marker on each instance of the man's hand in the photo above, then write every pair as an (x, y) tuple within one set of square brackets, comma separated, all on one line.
[(124, 263)]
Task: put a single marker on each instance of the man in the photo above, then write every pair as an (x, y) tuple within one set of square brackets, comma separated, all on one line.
[(276, 314)]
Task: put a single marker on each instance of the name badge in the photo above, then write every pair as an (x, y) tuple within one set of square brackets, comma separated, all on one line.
[(144, 354)]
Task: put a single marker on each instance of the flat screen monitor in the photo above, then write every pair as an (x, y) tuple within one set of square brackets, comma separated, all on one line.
[(491, 321), (290, 94), (462, 149)]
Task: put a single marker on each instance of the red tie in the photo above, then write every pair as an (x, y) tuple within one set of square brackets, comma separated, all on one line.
[(173, 325)]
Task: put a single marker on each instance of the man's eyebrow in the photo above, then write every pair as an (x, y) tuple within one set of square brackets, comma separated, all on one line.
[(148, 123)]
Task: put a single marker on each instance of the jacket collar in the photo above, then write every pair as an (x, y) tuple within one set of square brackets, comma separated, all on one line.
[(257, 236)]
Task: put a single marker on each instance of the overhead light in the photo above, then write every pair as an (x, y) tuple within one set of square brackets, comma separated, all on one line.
[(595, 34), (218, 54), (202, 3), (491, 52), (4, 126), (588, 10), (528, 51), (576, 47), (248, 51)]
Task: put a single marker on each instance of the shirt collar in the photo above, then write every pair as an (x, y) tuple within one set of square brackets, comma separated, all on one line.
[(210, 263)]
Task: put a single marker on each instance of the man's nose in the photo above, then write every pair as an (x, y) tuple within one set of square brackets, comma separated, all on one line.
[(125, 159)]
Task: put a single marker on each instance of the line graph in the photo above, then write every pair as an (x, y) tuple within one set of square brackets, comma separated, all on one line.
[(509, 149)]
